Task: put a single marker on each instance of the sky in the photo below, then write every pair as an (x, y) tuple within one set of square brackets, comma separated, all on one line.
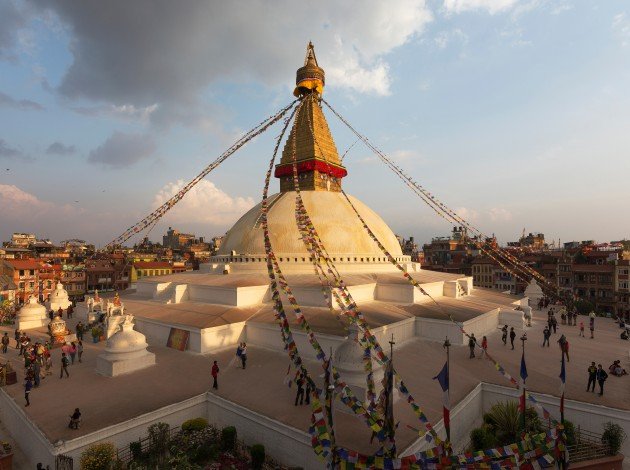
[(516, 113)]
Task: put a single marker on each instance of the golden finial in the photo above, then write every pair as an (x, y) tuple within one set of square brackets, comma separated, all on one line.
[(311, 76)]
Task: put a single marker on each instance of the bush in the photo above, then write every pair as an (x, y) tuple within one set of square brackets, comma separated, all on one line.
[(613, 437), (158, 436), (98, 456), (228, 438), (569, 432), (136, 450), (196, 424), (482, 438), (258, 456)]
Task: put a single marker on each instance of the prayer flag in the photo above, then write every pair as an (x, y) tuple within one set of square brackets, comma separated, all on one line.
[(442, 378), (523, 378), (562, 384)]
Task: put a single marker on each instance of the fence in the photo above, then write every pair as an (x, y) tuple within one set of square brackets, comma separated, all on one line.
[(588, 446), (125, 455)]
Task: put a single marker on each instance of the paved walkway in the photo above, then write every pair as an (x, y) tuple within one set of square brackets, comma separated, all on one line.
[(178, 376)]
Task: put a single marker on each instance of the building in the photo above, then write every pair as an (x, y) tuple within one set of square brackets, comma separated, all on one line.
[(8, 288), (176, 240), (534, 241), (450, 254), (23, 240), (109, 273), (142, 269), (622, 288), (74, 279), (49, 275), (25, 275)]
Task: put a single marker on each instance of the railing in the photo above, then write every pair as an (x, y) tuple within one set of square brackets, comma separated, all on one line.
[(588, 446), (125, 455)]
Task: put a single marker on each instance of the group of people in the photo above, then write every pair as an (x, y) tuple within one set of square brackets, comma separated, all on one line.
[(38, 361), (69, 312)]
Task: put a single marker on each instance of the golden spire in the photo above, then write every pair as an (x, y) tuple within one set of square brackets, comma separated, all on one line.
[(311, 76), (318, 162)]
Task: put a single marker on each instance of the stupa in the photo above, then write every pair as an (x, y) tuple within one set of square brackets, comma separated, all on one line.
[(32, 315), (59, 331), (59, 298), (126, 351), (533, 292)]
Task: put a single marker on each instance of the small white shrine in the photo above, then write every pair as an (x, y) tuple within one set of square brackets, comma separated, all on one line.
[(126, 352), (533, 292), (349, 361), (32, 315), (59, 298)]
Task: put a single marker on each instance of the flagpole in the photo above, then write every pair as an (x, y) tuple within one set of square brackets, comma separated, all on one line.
[(330, 398), (524, 396), (447, 345)]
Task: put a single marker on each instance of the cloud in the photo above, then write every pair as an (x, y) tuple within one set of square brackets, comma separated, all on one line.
[(10, 102), (499, 214), (14, 203), (12, 21), (57, 148), (43, 216), (491, 6), (204, 203), (9, 152), (444, 38), (467, 213), (621, 27), (123, 150), (164, 52), (124, 111)]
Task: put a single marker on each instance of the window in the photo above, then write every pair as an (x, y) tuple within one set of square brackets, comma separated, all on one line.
[(31, 285), (21, 286), (21, 272)]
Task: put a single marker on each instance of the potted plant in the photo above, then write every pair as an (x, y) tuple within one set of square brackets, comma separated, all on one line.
[(6, 456)]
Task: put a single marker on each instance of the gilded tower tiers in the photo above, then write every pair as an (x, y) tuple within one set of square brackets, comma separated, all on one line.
[(318, 165)]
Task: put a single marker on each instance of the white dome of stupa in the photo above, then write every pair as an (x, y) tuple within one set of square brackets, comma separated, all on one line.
[(126, 351), (59, 298), (31, 315), (348, 357)]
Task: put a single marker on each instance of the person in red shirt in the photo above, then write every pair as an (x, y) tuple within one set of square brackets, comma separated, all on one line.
[(215, 374), (484, 346)]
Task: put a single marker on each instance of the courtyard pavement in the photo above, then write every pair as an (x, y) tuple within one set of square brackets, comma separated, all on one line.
[(180, 375)]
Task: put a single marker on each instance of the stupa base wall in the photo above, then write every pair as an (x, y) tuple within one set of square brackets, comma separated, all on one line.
[(31, 324), (114, 368)]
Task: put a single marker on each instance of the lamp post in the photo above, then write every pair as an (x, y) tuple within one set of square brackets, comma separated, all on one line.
[(523, 377), (447, 345)]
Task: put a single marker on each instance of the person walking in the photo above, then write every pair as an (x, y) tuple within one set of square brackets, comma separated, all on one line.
[(504, 333), (592, 324), (512, 336), (80, 350), (37, 371), (308, 393), (75, 419), (60, 312), (48, 363), (299, 396), (79, 330), (69, 311), (564, 346), (472, 341), (5, 342), (243, 354), (546, 336), (28, 386), (601, 378), (484, 347), (17, 337), (554, 323), (73, 352), (582, 329), (64, 366), (592, 374), (215, 375)]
